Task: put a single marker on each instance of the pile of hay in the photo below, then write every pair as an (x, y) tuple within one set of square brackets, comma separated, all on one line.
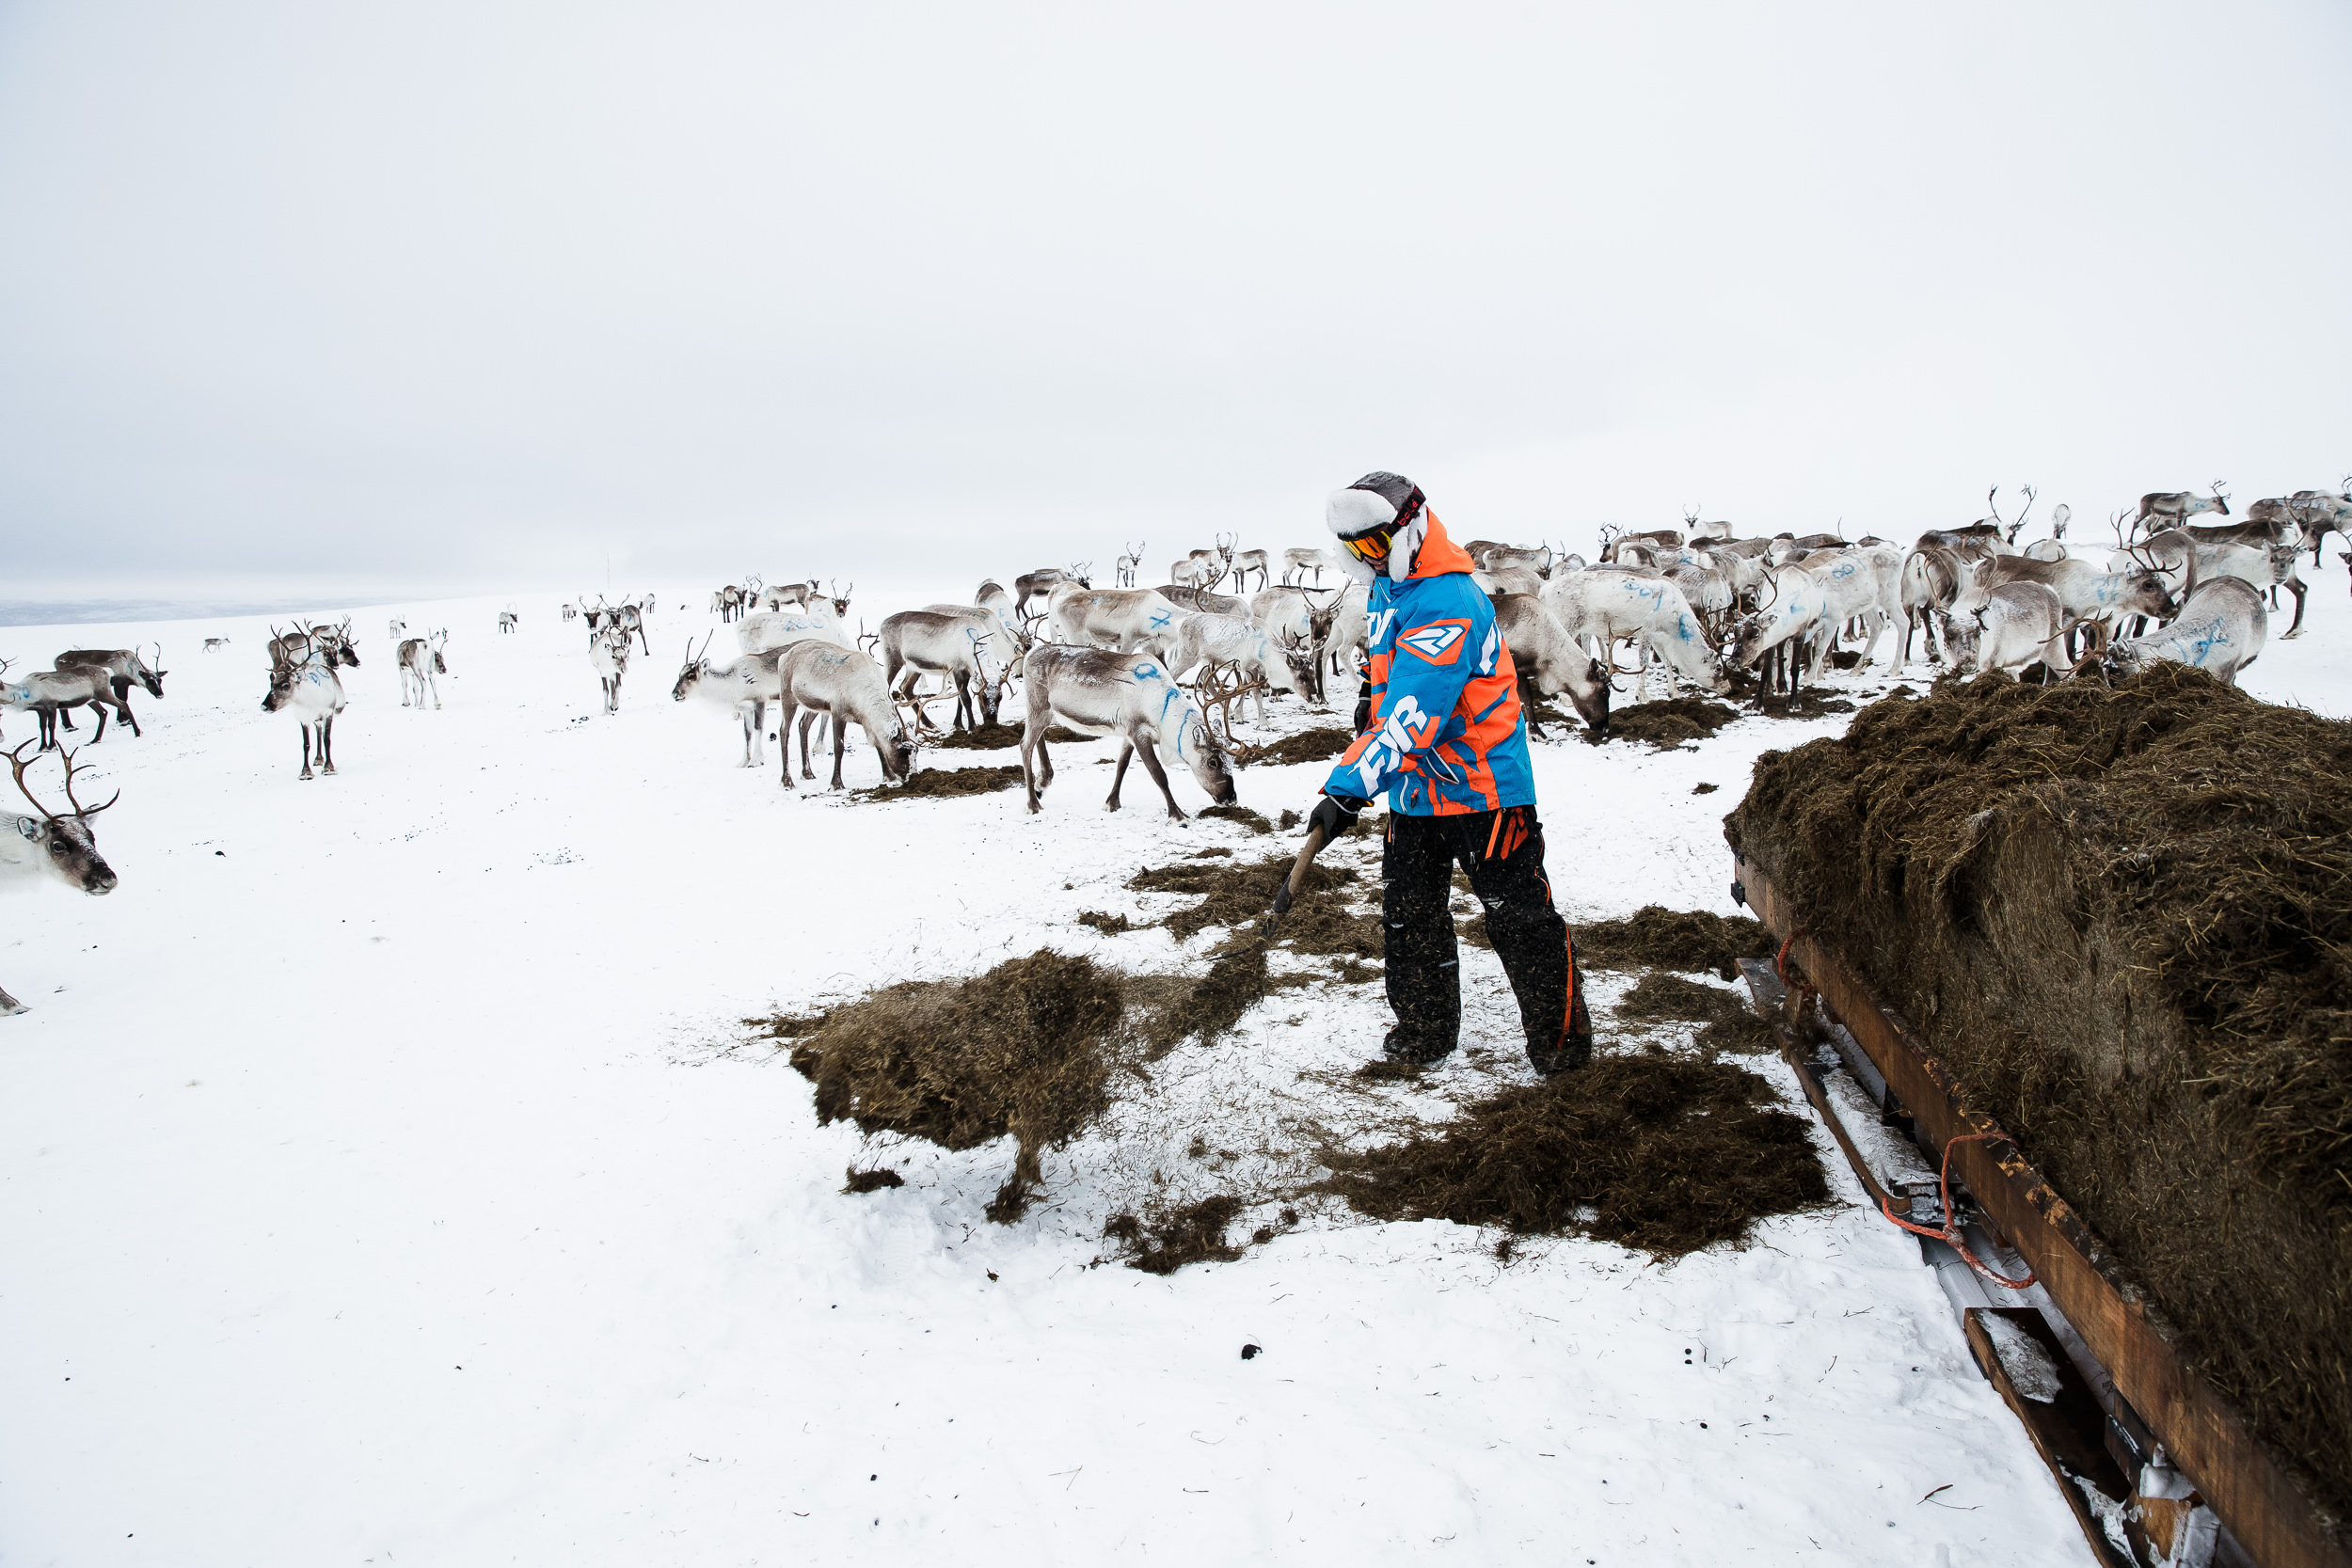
[(938, 783), (1026, 1049), (2123, 920), (1650, 1152), (1254, 821), (1317, 745), (1690, 940), (991, 738), (1669, 724)]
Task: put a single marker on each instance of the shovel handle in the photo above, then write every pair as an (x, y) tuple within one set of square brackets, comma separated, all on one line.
[(1298, 878)]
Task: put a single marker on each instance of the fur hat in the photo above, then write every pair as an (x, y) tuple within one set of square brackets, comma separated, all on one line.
[(1372, 500)]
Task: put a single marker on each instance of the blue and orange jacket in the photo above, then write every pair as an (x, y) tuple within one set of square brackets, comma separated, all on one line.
[(1445, 738)]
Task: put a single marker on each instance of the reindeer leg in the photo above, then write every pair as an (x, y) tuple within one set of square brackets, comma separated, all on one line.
[(1126, 750), (784, 708), (122, 712), (1033, 743), (1150, 755), (306, 748), (327, 743), (840, 743), (2297, 590)]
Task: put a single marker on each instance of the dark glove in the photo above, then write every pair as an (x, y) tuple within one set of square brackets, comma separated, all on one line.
[(1363, 706), (1335, 814)]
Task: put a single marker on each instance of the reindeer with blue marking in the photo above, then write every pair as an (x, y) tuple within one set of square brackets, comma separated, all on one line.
[(1134, 696)]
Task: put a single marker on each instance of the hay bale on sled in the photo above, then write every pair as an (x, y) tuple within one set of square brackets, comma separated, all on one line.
[(2121, 919)]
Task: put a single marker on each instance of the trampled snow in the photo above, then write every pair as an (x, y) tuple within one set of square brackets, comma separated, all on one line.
[(388, 1178)]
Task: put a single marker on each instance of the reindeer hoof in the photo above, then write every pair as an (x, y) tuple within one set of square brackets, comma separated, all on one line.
[(329, 770)]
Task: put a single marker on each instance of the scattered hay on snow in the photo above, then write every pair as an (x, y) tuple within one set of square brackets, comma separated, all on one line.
[(1232, 895), (1026, 1049), (873, 1180), (1690, 940), (1254, 821), (1738, 1034), (1192, 1234), (1650, 1152), (1810, 703), (1109, 924), (1671, 722), (1671, 997)]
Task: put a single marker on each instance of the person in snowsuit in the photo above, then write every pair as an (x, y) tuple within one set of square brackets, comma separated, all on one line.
[(1441, 737)]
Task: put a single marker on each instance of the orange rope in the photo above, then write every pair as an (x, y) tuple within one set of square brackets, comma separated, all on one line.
[(1949, 1234)]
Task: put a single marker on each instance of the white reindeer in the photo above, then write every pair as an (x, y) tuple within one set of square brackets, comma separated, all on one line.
[(1550, 661), (2220, 629), (1134, 696), (1120, 618), (919, 643), (2167, 508), (420, 662), (816, 678), (1218, 640), (1812, 600), (744, 686), (607, 655), (306, 684), (53, 846), (1123, 574), (1610, 604), (771, 630), (2012, 627), (1246, 563), (1300, 563), (400, 629)]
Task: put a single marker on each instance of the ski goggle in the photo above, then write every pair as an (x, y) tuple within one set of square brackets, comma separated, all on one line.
[(1371, 545)]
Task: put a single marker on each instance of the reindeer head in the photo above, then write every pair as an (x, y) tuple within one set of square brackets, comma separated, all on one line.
[(1299, 658), (840, 598), (71, 849), (2221, 501), (2060, 515), (695, 668), (1081, 572), (1197, 747)]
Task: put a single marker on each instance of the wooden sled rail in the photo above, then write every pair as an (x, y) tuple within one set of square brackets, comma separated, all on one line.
[(2201, 1432)]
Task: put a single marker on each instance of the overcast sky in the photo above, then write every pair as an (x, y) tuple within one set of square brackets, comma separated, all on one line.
[(431, 297)]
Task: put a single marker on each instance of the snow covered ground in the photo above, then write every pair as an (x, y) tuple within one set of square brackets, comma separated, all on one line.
[(388, 1179)]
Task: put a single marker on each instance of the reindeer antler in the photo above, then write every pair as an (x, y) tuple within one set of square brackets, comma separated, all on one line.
[(2219, 484), (18, 762)]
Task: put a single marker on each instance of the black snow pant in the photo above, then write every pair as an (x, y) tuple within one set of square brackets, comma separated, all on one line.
[(1504, 853)]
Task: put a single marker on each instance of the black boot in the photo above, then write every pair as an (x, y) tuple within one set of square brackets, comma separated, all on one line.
[(1397, 1049)]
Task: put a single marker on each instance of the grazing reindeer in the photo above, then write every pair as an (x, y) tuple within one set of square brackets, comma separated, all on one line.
[(1932, 578), (2169, 507), (48, 693), (1612, 605), (419, 661), (1813, 599), (1123, 574), (745, 684), (2321, 512), (508, 620), (52, 845), (999, 604), (1550, 661), (1298, 563), (1615, 540), (1300, 625), (571, 611), (1132, 696), (1246, 563), (815, 678), (2220, 629), (1221, 640), (212, 642), (2084, 592), (2014, 626), (1121, 618), (919, 643), (306, 683)]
